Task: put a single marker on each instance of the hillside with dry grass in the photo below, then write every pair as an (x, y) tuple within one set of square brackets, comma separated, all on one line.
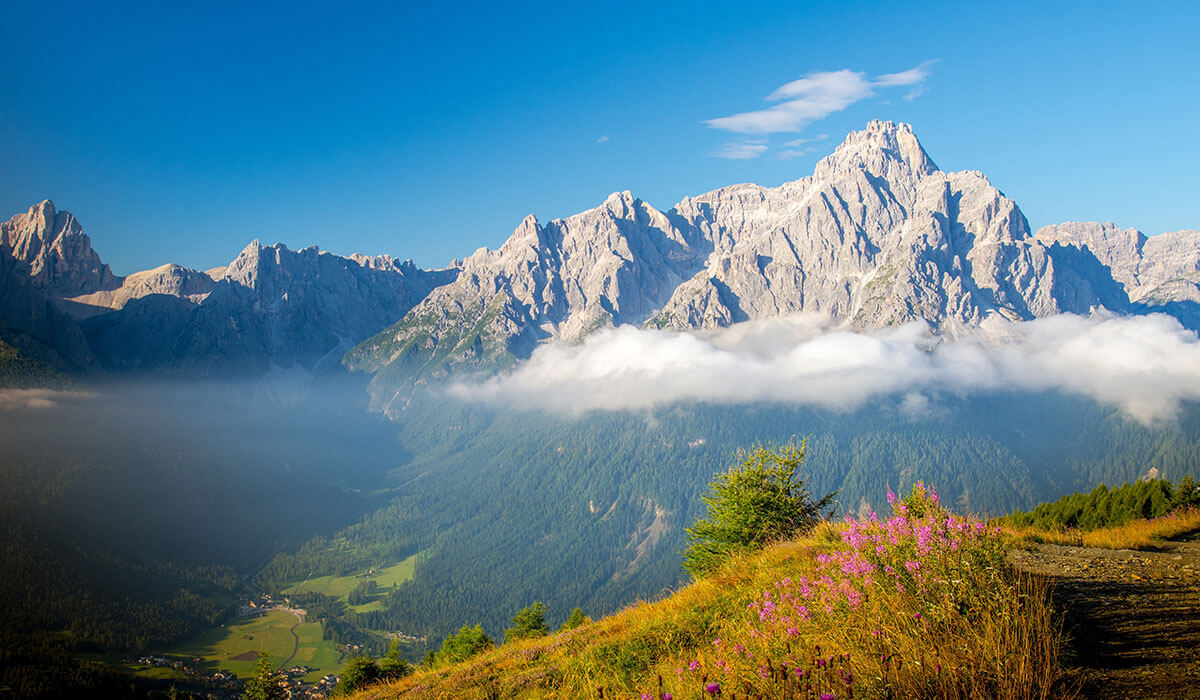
[(918, 604)]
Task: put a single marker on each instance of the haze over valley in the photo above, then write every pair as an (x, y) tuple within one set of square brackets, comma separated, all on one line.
[(315, 455)]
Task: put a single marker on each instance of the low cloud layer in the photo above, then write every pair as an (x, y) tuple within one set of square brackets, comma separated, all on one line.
[(1146, 365), (40, 399)]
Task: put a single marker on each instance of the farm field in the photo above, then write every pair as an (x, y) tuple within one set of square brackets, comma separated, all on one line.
[(235, 646), (340, 586)]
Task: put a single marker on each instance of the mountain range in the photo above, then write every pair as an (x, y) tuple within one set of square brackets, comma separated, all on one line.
[(878, 235)]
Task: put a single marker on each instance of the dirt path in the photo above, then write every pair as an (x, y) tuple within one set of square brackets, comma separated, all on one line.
[(1134, 616)]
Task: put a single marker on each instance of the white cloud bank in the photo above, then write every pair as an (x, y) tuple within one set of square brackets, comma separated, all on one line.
[(1146, 365), (816, 96)]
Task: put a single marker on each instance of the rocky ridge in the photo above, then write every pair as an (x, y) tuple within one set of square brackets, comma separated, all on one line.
[(270, 306), (878, 235), (1140, 263)]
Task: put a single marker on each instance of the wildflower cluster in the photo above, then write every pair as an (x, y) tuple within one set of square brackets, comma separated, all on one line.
[(933, 559), (882, 600)]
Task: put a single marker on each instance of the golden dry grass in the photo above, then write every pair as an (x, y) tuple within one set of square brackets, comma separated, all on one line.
[(971, 628), (1137, 534)]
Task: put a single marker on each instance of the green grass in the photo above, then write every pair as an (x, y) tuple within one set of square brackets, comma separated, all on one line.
[(340, 586), (269, 633)]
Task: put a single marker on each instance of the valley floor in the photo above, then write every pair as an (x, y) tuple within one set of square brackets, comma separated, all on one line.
[(1134, 616)]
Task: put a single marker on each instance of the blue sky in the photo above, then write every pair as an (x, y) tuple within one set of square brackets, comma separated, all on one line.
[(181, 133)]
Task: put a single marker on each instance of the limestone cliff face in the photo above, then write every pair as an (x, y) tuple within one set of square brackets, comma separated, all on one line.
[(32, 322), (57, 253), (1140, 263), (878, 236), (614, 264)]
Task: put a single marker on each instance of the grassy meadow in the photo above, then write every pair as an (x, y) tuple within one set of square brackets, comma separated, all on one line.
[(268, 633), (341, 586)]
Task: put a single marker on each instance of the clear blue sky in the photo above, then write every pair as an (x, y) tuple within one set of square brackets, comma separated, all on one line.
[(181, 133)]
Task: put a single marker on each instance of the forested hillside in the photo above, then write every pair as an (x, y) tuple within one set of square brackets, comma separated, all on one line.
[(508, 508), (1108, 507)]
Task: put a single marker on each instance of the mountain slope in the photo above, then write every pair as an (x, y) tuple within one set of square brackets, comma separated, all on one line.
[(614, 264), (58, 254), (879, 236)]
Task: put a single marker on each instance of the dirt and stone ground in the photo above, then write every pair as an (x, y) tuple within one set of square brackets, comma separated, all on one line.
[(1134, 616)]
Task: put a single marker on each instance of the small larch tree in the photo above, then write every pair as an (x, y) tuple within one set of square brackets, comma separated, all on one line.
[(528, 623), (267, 683), (760, 500), (575, 619), (461, 646)]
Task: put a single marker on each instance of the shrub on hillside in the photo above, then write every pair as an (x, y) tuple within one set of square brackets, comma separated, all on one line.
[(530, 622), (759, 501)]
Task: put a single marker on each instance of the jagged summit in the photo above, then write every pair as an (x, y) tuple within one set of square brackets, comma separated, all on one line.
[(884, 148), (876, 236), (58, 253)]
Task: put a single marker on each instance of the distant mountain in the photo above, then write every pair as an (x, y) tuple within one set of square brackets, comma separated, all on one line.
[(876, 236), (269, 307), (42, 254), (57, 253)]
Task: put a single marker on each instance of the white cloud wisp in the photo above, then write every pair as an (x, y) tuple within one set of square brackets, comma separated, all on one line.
[(816, 96), (1146, 365)]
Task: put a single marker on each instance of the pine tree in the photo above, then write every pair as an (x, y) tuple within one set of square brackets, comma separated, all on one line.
[(760, 501), (576, 619), (267, 683), (528, 623)]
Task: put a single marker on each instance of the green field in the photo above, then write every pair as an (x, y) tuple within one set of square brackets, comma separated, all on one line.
[(270, 633), (340, 586)]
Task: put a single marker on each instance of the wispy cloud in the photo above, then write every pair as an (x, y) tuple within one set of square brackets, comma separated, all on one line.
[(1146, 365), (796, 143), (740, 150), (40, 399), (794, 153), (798, 147), (815, 96), (912, 76), (603, 139)]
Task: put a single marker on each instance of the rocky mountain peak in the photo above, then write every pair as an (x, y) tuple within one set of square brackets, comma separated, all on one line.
[(885, 149), (58, 253)]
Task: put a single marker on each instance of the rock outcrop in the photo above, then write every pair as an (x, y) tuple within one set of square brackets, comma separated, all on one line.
[(57, 253), (1142, 264)]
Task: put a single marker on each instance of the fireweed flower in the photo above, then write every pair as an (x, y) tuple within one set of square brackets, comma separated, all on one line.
[(712, 688)]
